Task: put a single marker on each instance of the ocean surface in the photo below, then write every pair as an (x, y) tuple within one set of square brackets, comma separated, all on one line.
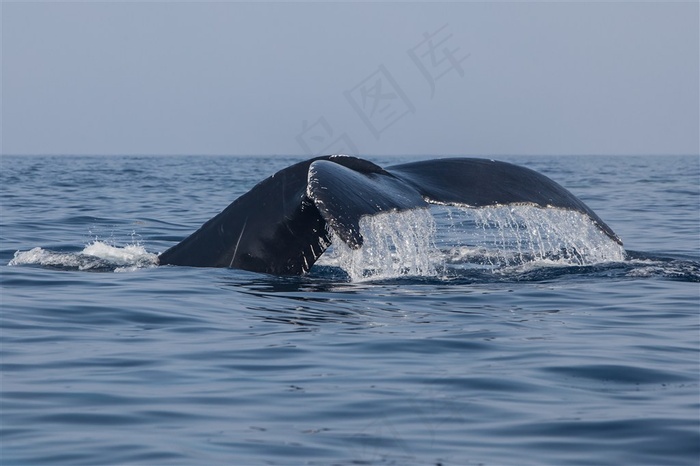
[(506, 336)]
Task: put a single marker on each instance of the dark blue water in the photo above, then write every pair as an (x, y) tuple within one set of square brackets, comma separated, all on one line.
[(499, 352)]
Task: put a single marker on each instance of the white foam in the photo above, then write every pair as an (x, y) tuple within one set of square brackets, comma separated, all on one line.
[(39, 256), (127, 255), (96, 255)]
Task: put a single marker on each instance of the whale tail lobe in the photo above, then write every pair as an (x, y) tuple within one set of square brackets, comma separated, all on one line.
[(282, 225)]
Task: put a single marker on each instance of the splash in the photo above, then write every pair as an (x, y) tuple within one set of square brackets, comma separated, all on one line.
[(396, 244), (502, 237), (445, 239), (96, 256)]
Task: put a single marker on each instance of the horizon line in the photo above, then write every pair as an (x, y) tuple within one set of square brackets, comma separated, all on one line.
[(355, 155)]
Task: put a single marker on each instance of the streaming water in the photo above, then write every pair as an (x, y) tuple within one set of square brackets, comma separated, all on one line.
[(395, 244), (410, 243)]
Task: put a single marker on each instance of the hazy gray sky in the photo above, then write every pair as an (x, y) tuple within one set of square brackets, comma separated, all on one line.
[(478, 78)]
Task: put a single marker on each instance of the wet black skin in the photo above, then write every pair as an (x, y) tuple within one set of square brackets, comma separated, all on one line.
[(281, 226)]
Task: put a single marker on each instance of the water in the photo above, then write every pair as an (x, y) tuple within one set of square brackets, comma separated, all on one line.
[(499, 336)]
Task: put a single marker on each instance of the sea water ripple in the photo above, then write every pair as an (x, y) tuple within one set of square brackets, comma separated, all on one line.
[(593, 363)]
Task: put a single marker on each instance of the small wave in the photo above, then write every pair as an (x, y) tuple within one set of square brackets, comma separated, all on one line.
[(96, 256), (643, 265)]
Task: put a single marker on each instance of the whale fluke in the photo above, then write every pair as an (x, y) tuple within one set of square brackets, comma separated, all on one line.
[(344, 195), (481, 183), (282, 225)]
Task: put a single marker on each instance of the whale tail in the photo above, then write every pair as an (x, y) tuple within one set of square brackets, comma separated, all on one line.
[(281, 226)]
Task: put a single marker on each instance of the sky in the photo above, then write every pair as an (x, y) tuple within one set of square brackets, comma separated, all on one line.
[(302, 78)]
